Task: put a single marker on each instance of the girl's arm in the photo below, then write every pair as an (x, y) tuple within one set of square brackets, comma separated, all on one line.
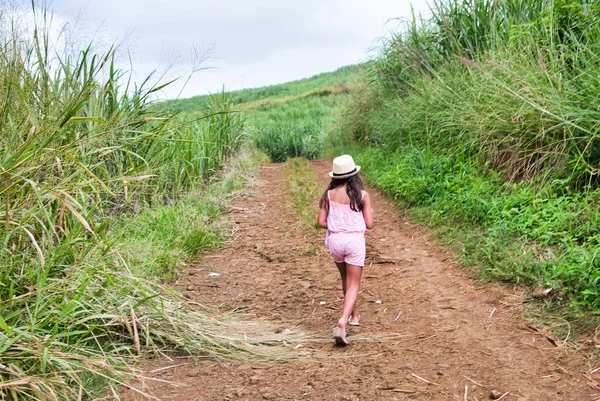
[(322, 218), (367, 212)]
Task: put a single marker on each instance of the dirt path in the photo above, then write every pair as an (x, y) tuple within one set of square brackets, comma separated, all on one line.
[(436, 335)]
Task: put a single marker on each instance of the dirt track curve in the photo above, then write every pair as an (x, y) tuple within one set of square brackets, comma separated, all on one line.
[(448, 337)]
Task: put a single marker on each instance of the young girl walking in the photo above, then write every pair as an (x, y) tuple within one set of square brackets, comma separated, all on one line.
[(345, 211)]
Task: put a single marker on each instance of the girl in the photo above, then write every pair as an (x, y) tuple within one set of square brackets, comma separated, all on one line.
[(345, 211)]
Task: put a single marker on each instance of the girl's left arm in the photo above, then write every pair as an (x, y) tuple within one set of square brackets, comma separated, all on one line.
[(367, 211)]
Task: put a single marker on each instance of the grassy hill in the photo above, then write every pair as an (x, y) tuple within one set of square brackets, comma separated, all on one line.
[(318, 85)]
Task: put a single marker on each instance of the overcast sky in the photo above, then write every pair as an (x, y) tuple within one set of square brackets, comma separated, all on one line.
[(254, 42)]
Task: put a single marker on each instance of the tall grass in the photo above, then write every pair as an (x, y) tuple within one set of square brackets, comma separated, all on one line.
[(81, 146), (512, 81), (292, 119), (194, 147), (485, 115)]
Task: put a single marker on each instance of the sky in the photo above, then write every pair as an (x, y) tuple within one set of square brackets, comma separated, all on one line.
[(241, 43)]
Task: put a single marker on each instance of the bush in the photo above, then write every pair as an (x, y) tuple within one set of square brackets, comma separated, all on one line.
[(486, 122)]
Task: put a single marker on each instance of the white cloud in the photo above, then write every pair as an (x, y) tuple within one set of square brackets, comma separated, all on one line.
[(257, 42), (281, 66)]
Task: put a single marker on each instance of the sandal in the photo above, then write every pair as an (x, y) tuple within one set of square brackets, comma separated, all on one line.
[(351, 323), (339, 337)]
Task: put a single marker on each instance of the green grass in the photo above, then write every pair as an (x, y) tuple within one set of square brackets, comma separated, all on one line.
[(195, 147), (297, 128), (547, 236), (512, 81), (158, 241)]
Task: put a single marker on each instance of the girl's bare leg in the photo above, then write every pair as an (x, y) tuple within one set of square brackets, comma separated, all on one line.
[(351, 275), (342, 269)]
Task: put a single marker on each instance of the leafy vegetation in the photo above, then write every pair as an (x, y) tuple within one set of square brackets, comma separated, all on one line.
[(301, 125), (160, 239), (547, 237), (192, 148), (509, 81), (298, 128)]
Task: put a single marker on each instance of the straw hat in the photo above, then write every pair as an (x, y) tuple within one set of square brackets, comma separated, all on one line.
[(344, 167)]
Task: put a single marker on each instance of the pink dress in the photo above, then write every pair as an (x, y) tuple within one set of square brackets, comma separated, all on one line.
[(345, 234)]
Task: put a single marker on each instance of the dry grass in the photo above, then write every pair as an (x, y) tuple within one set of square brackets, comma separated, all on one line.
[(337, 89), (303, 191)]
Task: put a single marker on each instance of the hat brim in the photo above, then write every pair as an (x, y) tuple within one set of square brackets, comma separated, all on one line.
[(339, 177)]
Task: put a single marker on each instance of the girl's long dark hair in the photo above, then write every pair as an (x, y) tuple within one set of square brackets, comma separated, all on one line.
[(354, 187)]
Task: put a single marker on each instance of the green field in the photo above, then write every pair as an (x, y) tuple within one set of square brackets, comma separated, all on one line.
[(294, 119)]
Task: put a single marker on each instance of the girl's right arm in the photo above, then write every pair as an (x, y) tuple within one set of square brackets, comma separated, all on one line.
[(367, 211), (322, 218)]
